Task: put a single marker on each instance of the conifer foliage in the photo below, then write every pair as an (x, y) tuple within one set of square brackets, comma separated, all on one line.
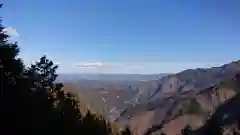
[(31, 104)]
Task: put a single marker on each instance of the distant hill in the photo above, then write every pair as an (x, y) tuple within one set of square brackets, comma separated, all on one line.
[(109, 77)]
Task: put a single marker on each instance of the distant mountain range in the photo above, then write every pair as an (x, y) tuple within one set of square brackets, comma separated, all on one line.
[(109, 77)]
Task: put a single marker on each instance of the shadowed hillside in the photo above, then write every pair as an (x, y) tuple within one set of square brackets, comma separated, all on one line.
[(226, 118), (200, 107)]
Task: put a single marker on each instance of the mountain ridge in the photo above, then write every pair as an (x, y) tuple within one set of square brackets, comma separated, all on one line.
[(200, 83)]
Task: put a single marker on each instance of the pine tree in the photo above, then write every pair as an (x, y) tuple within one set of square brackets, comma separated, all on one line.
[(11, 69), (43, 73), (3, 36)]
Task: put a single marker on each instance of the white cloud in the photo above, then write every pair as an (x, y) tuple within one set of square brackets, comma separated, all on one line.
[(107, 65), (90, 65), (11, 32)]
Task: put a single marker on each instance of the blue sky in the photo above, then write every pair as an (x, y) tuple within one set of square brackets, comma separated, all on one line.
[(126, 36)]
